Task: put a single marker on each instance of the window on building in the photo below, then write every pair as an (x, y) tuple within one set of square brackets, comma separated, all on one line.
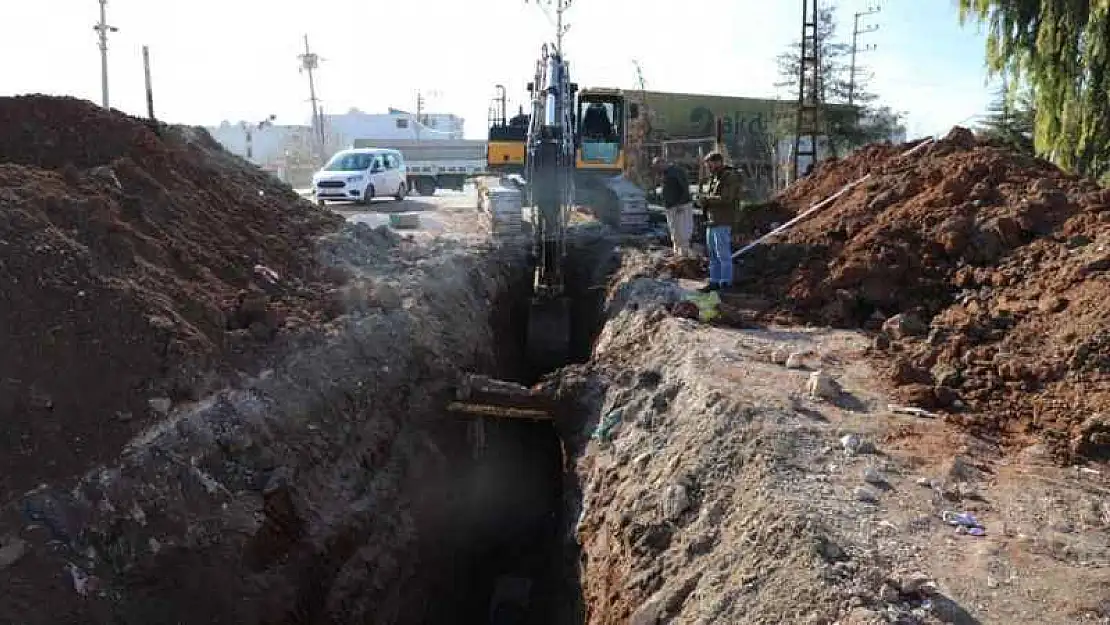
[(402, 123)]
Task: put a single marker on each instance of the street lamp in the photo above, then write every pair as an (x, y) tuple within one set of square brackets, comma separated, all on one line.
[(249, 130)]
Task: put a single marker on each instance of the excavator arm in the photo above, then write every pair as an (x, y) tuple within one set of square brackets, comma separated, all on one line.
[(549, 170)]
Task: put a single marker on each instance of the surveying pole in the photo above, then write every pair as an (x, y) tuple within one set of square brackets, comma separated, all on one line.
[(103, 29)]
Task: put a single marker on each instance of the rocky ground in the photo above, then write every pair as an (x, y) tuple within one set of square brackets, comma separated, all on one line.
[(224, 404), (721, 483)]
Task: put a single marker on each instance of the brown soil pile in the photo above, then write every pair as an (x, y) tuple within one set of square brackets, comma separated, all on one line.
[(136, 260), (998, 264)]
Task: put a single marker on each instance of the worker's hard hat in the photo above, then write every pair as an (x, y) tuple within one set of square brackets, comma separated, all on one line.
[(714, 156)]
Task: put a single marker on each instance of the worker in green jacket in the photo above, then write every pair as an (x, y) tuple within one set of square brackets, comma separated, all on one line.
[(720, 204)]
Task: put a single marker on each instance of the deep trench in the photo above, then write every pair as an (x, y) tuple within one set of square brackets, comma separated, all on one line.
[(495, 538)]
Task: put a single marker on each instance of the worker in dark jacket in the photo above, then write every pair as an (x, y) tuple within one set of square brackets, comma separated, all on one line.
[(678, 204), (720, 203)]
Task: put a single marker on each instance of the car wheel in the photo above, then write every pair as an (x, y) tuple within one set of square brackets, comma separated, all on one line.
[(368, 195), (400, 193)]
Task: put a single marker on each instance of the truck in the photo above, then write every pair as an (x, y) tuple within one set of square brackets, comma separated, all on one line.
[(436, 164)]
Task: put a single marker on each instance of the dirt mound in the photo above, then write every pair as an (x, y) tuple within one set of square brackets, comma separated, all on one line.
[(137, 260), (999, 262), (831, 175)]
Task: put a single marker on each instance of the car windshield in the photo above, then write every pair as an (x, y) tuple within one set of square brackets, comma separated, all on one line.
[(349, 161)]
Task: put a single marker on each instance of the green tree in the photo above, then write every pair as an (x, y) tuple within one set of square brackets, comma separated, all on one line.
[(1061, 49), (846, 127), (1010, 121)]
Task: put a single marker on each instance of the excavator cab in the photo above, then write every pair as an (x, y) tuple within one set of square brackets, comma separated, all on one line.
[(602, 128), (603, 118)]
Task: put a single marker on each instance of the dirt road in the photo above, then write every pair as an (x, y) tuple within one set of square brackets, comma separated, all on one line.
[(447, 213)]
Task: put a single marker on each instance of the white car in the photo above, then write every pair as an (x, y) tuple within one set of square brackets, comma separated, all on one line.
[(360, 175)]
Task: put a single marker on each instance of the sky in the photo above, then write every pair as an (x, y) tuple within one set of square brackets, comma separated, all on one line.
[(215, 60)]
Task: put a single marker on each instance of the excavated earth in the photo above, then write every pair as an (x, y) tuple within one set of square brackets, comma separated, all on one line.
[(133, 261), (718, 484), (227, 406), (994, 267)]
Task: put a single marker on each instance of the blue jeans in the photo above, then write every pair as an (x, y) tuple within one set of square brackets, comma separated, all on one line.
[(718, 240)]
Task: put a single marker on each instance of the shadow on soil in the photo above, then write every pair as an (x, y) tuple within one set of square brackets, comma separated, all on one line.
[(948, 611), (500, 547)]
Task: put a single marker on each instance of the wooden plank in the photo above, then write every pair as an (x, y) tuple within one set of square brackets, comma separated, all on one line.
[(498, 412), (481, 389)]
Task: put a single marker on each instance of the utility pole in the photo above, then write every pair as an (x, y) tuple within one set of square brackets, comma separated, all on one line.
[(310, 62), (809, 113), (149, 90), (856, 32), (103, 29), (419, 113)]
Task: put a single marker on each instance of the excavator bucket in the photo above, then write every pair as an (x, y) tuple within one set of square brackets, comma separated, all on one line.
[(549, 333)]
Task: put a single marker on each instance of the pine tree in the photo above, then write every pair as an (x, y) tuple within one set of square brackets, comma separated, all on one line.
[(1010, 121), (846, 127)]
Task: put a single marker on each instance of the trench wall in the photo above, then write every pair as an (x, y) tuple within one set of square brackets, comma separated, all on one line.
[(295, 498)]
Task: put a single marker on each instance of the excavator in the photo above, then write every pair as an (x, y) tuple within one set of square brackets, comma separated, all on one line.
[(601, 159), (549, 168), (600, 119), (574, 154), (507, 137)]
